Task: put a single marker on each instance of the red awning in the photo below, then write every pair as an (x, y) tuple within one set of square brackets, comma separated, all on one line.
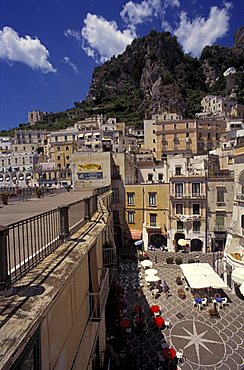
[(135, 234)]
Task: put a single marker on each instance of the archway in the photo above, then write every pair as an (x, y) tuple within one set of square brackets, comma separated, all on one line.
[(178, 236), (196, 245), (157, 240)]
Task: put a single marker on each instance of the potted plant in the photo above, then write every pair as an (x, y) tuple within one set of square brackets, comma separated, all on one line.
[(182, 293), (170, 260), (178, 260), (191, 260), (178, 280), (38, 192), (4, 196)]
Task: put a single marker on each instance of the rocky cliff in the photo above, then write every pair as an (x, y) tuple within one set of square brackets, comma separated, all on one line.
[(153, 75)]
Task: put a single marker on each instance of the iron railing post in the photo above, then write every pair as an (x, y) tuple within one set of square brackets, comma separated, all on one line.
[(64, 222), (4, 277), (87, 208)]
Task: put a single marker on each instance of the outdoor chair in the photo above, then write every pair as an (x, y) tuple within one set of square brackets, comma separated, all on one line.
[(224, 301), (161, 357), (200, 306), (179, 355), (167, 324), (204, 302)]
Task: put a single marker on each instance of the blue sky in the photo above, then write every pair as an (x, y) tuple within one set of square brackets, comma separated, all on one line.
[(49, 48)]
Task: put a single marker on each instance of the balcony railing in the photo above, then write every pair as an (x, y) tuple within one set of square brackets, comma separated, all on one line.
[(220, 228), (97, 301), (109, 256), (240, 196), (178, 195), (25, 243)]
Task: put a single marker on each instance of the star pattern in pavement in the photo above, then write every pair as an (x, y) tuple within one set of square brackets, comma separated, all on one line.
[(197, 339)]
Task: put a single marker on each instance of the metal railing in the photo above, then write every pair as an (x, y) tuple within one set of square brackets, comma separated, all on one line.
[(97, 301), (30, 240), (76, 215), (25, 243), (109, 256)]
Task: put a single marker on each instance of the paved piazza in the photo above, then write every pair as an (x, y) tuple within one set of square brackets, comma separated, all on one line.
[(207, 343)]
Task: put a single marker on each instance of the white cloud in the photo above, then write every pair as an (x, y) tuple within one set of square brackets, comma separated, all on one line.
[(135, 13), (102, 39), (71, 64), (73, 34), (14, 48), (199, 32)]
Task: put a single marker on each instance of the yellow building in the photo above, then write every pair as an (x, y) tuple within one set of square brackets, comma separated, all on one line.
[(182, 136), (147, 213), (61, 154)]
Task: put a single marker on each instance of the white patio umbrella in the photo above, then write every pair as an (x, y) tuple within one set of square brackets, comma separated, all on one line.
[(152, 278), (242, 289), (182, 242), (146, 263), (151, 272)]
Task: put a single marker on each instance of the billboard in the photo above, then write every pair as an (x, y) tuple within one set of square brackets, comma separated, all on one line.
[(89, 171)]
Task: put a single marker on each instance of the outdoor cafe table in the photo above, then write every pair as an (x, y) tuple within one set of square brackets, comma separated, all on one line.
[(155, 309), (138, 308), (169, 353), (198, 300), (159, 321), (139, 321), (125, 323)]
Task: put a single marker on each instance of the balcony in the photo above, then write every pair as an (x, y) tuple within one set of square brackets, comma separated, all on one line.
[(178, 195), (240, 197), (97, 301), (109, 256), (219, 228), (197, 195)]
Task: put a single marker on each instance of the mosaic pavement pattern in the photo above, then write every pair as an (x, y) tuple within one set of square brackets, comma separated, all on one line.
[(207, 343)]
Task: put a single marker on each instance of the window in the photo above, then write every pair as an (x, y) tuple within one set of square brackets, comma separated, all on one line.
[(58, 157), (178, 170), (179, 190), (196, 209), (154, 141), (152, 199), (67, 157), (180, 225), (58, 148), (179, 209), (242, 221), (131, 198), (67, 148), (220, 221), (160, 177), (196, 226), (153, 219), (150, 177), (220, 195), (195, 188), (116, 195), (131, 217)]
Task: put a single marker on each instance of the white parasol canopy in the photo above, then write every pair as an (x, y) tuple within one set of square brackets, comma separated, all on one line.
[(242, 289), (152, 278), (151, 272), (238, 275), (146, 263), (201, 275), (182, 242)]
